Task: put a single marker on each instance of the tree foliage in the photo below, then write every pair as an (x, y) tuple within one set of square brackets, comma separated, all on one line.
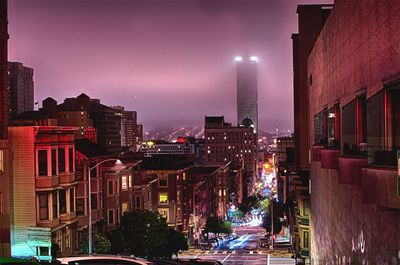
[(101, 244), (217, 226), (146, 233)]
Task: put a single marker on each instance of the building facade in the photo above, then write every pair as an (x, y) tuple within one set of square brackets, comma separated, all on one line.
[(151, 148), (21, 89), (43, 188), (224, 143), (354, 116), (246, 81), (311, 19), (5, 249)]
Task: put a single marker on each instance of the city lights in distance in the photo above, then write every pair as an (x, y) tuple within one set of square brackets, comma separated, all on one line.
[(238, 59)]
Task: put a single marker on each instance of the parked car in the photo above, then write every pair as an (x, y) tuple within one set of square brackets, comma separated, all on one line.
[(103, 260), (13, 261)]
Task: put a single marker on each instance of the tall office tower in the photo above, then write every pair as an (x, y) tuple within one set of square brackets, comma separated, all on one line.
[(246, 78), (21, 88)]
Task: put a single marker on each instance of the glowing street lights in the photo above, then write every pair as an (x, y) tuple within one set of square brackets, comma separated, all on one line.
[(117, 162)]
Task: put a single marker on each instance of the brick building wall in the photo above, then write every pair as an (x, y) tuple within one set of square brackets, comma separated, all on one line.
[(354, 221)]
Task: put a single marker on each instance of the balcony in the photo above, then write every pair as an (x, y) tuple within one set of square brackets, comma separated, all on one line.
[(68, 217), (330, 158), (48, 223), (350, 170), (379, 186), (67, 178), (46, 182), (316, 152)]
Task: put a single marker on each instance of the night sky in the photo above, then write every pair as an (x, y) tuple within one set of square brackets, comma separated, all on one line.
[(172, 61)]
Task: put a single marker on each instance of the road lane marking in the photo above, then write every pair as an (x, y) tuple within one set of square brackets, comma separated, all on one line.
[(225, 258), (215, 252), (260, 252), (251, 252), (195, 256), (233, 252), (207, 252), (268, 260), (224, 252)]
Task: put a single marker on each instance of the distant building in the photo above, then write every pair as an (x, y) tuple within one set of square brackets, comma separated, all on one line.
[(43, 188), (151, 148), (285, 154), (163, 178), (247, 99), (131, 131), (224, 143), (5, 248), (21, 89), (106, 120)]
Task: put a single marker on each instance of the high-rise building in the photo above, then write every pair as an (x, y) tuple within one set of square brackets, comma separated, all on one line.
[(21, 89), (4, 150), (246, 78)]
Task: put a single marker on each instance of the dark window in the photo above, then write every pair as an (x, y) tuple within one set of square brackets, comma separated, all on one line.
[(319, 134), (53, 162), (110, 187), (375, 127), (80, 206), (94, 201), (42, 162), (138, 204), (71, 159), (354, 127), (163, 181), (43, 207), (61, 160), (110, 216), (55, 204), (72, 199), (63, 201)]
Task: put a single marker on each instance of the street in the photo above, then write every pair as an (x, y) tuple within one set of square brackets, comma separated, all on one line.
[(242, 251)]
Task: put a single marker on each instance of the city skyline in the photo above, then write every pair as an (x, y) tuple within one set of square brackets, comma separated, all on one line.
[(136, 60)]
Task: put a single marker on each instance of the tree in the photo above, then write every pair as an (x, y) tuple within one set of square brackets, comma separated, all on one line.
[(101, 244), (216, 226), (146, 233), (176, 242)]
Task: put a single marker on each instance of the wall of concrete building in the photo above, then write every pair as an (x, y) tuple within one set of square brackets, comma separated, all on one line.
[(357, 50)]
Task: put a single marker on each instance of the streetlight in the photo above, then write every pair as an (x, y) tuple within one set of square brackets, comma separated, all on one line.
[(117, 161)]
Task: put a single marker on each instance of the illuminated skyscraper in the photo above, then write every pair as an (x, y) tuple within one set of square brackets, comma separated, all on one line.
[(246, 78)]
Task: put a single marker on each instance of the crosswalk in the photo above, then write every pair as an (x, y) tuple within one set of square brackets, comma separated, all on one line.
[(226, 252)]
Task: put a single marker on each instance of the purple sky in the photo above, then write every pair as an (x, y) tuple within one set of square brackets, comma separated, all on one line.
[(172, 61)]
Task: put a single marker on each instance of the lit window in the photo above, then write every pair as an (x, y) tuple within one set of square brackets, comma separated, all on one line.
[(164, 213), (124, 207), (208, 151), (224, 192), (224, 137), (163, 197), (220, 193), (229, 147), (130, 181), (124, 183), (1, 160)]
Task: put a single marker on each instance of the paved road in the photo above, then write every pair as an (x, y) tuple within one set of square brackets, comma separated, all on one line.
[(242, 251)]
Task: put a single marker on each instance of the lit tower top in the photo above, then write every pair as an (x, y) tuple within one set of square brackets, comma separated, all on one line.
[(246, 81)]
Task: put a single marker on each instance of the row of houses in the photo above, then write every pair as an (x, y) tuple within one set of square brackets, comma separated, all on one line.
[(49, 189)]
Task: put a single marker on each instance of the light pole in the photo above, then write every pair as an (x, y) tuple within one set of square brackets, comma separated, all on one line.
[(117, 161), (272, 224)]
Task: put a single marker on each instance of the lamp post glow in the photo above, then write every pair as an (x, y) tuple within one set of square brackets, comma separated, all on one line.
[(117, 161)]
